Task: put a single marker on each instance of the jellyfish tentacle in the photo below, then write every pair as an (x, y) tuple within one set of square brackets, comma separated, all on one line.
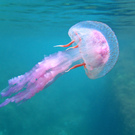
[(67, 45), (72, 47), (78, 65), (76, 46)]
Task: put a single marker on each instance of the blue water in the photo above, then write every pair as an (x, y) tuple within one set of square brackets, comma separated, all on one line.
[(74, 104)]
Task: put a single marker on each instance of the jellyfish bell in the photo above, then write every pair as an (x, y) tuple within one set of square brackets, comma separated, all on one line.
[(98, 47)]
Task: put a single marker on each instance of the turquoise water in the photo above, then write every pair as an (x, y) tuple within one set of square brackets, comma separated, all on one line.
[(73, 104)]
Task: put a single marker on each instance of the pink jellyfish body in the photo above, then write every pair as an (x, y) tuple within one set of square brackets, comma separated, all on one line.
[(94, 46)]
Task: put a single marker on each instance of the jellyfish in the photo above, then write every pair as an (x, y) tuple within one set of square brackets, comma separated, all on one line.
[(93, 45)]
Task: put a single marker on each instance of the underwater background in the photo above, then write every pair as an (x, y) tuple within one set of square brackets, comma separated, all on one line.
[(73, 104)]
